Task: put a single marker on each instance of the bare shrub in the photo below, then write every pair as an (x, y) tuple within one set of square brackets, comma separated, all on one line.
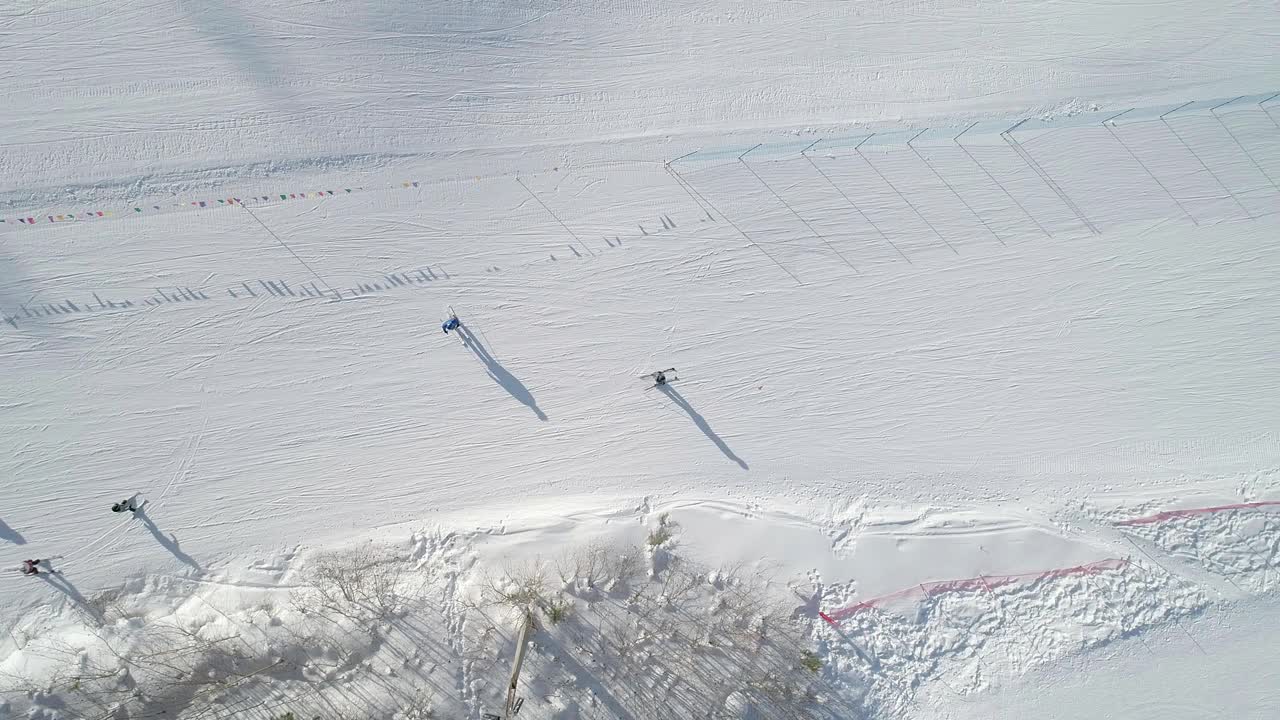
[(527, 590), (810, 661), (593, 570), (522, 588), (557, 609), (682, 635), (366, 585), (156, 668), (420, 707), (660, 535)]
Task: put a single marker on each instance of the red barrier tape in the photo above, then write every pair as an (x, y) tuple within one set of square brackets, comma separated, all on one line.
[(1171, 514), (982, 582)]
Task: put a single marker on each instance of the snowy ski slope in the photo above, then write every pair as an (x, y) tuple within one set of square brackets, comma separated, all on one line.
[(899, 260), (974, 367)]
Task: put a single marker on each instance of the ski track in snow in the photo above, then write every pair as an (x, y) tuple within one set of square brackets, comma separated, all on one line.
[(900, 364)]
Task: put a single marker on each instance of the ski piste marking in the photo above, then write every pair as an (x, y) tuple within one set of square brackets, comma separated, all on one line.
[(1191, 512), (29, 218), (981, 582)]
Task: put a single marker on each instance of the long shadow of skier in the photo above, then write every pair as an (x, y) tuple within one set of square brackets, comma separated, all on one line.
[(509, 382), (59, 582), (13, 536), (701, 422), (169, 542)]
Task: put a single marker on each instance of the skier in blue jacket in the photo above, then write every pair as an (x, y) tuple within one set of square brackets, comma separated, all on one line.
[(450, 324)]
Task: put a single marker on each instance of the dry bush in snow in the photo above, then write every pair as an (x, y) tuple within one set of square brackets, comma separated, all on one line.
[(366, 585), (592, 571), (673, 640), (152, 669)]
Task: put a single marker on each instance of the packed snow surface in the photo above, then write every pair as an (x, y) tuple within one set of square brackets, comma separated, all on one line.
[(973, 308)]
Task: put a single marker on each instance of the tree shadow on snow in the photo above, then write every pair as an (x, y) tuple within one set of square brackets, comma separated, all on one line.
[(509, 382), (701, 422), (565, 656), (13, 536), (168, 542), (245, 45)]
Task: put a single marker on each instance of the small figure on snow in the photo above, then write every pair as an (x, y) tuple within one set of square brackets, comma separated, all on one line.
[(662, 377), (29, 567), (125, 505), (451, 324)]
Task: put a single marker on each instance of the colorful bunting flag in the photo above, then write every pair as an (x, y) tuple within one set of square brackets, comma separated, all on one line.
[(197, 203)]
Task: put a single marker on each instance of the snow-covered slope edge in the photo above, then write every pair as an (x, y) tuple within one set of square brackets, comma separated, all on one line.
[(655, 610)]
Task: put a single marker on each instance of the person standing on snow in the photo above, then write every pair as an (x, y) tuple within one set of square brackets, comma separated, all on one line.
[(125, 505), (662, 377), (451, 324), (29, 567)]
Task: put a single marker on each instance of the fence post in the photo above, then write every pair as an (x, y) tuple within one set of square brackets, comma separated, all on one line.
[(510, 708), (1240, 145), (554, 215), (1268, 112), (1044, 175), (898, 192), (938, 175), (1204, 165), (857, 209), (798, 216), (741, 232), (1113, 117), (998, 184), (1143, 165)]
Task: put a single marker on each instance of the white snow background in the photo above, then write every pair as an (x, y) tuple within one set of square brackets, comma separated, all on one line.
[(953, 289)]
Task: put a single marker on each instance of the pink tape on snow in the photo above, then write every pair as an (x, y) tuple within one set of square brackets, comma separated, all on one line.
[(1171, 514), (982, 582)]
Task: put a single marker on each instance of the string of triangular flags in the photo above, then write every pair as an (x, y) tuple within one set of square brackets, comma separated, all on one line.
[(210, 203)]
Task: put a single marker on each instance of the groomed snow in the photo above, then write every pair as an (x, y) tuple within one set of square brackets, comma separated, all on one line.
[(963, 356), (1233, 677)]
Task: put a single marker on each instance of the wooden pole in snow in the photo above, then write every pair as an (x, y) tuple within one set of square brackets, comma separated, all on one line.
[(510, 709)]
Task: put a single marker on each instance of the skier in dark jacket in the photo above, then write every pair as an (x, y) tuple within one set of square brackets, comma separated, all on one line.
[(124, 505), (29, 567)]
